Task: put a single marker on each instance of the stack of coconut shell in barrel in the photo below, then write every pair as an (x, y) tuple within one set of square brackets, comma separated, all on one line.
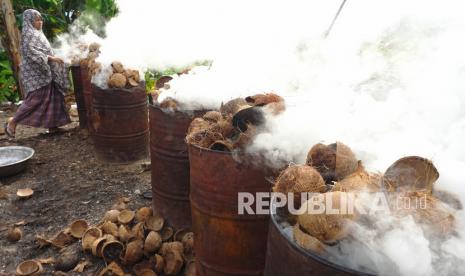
[(121, 77), (89, 62), (333, 170), (235, 124), (137, 242)]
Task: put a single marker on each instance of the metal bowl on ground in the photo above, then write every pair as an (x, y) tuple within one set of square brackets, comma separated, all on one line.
[(13, 159)]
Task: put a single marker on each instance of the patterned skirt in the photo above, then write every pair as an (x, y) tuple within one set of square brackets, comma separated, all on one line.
[(44, 107)]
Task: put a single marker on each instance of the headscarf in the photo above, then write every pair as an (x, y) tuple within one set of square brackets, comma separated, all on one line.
[(36, 72)]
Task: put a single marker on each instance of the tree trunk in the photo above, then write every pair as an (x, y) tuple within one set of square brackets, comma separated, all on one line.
[(10, 39)]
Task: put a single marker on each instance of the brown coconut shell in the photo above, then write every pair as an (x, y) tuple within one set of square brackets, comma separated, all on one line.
[(14, 234), (133, 82), (124, 234), (306, 241), (29, 267), (134, 252), (143, 214), (212, 116), (25, 193), (89, 237), (111, 215), (110, 228), (158, 263), (173, 262), (190, 269), (198, 124), (178, 235), (299, 179), (94, 47), (327, 228), (117, 80), (263, 99), (167, 233), (154, 223), (112, 250), (188, 243), (169, 103), (233, 106), (113, 269), (359, 181), (411, 173), (141, 267), (98, 244), (222, 145), (138, 231), (61, 239), (78, 228), (152, 243), (117, 67), (126, 216)]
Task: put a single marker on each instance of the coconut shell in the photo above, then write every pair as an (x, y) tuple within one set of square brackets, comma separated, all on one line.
[(78, 228), (14, 234), (112, 216), (98, 244), (233, 106), (110, 228), (117, 80), (29, 267), (117, 67), (346, 162), (113, 269), (212, 116), (359, 181), (299, 179), (158, 263), (154, 223), (61, 239), (152, 243), (190, 269), (25, 193), (89, 237), (133, 82), (327, 228), (173, 262), (198, 124), (307, 242), (180, 234), (140, 268), (264, 99), (222, 145), (126, 216), (169, 103), (188, 243), (167, 233), (124, 234), (411, 173), (134, 252), (138, 231), (143, 214), (94, 47), (112, 250)]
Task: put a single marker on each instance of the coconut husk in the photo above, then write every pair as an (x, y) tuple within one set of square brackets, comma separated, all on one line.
[(110, 228), (204, 138), (263, 99), (306, 241), (126, 216), (188, 245), (327, 228), (14, 234), (124, 234), (359, 181), (117, 80), (152, 243), (212, 116), (169, 103), (111, 216), (226, 128), (222, 145), (299, 179), (172, 255), (334, 161), (197, 125), (143, 214), (233, 106), (113, 269), (411, 173), (138, 231), (117, 67), (89, 237), (29, 267), (434, 217), (112, 250), (78, 228), (158, 263), (134, 252)]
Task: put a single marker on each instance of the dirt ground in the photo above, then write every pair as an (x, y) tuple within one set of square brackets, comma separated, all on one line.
[(69, 184)]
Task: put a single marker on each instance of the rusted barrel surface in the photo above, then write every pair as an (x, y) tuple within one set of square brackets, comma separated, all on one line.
[(120, 123), (285, 258), (82, 92), (226, 243), (170, 164)]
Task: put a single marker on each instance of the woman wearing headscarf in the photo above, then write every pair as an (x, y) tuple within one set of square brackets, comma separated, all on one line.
[(44, 78)]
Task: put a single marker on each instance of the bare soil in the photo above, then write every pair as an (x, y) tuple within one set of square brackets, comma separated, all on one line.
[(69, 183)]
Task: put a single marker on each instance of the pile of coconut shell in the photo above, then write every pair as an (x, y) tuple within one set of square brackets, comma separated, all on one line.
[(137, 242), (334, 171), (235, 124), (93, 51), (121, 77)]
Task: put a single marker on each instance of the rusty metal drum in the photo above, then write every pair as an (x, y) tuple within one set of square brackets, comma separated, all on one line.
[(170, 164), (83, 93), (226, 243), (120, 123)]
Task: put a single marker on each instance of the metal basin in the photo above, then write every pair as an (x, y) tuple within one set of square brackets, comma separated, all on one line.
[(13, 159)]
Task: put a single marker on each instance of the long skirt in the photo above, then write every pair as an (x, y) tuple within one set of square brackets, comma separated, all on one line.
[(44, 107)]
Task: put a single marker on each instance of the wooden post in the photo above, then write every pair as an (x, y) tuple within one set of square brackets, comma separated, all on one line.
[(10, 39)]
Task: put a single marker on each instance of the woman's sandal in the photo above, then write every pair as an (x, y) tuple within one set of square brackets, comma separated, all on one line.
[(7, 131)]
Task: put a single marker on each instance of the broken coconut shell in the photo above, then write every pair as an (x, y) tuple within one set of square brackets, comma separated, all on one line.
[(117, 67), (222, 145), (98, 244), (173, 262), (134, 252), (138, 231), (334, 161), (359, 181), (327, 228), (306, 241), (113, 269), (143, 214), (152, 243), (180, 234), (94, 47), (233, 106), (89, 237), (25, 193), (14, 234), (411, 173), (198, 124), (188, 244), (61, 239), (190, 269), (158, 263), (112, 250), (141, 267), (110, 228), (29, 267), (111, 215), (126, 216), (154, 223), (117, 80), (299, 179), (167, 233), (212, 116), (78, 228), (133, 82), (264, 99), (124, 234)]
